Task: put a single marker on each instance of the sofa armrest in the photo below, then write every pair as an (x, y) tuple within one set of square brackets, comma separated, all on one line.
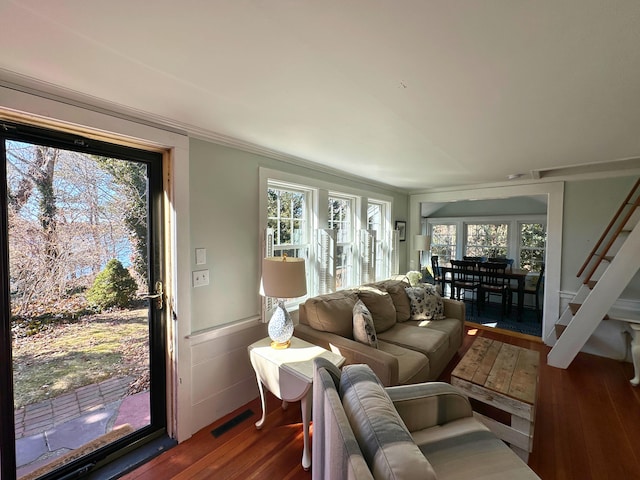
[(425, 405), (384, 365), (454, 308)]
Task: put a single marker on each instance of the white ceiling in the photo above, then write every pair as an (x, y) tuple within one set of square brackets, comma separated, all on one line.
[(412, 93)]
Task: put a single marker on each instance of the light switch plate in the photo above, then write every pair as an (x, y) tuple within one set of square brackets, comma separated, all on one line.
[(200, 278), (201, 256)]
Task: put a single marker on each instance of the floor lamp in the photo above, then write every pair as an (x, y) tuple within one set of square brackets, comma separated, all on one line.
[(422, 243)]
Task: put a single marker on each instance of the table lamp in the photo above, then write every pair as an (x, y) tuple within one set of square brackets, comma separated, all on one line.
[(282, 278), (422, 243)]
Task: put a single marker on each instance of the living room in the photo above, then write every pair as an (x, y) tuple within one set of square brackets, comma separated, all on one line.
[(216, 185)]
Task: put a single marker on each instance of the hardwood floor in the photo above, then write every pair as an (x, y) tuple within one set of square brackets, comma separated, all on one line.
[(587, 427)]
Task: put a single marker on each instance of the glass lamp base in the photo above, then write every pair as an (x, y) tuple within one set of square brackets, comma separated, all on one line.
[(280, 327), (280, 345)]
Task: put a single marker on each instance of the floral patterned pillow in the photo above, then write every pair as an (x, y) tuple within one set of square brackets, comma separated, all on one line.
[(426, 303), (364, 330)]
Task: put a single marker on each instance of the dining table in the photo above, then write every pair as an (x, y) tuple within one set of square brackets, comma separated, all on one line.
[(517, 274)]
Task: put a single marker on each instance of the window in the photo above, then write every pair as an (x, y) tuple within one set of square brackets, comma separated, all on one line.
[(443, 242), (288, 217), (532, 241), (487, 240), (341, 220), (522, 238), (306, 218), (378, 220)]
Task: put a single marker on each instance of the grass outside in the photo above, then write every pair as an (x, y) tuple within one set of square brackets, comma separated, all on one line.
[(70, 354)]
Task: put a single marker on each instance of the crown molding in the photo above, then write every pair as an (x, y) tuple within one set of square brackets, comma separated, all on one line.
[(40, 88)]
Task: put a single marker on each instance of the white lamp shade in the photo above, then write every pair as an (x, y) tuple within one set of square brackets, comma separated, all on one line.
[(283, 277), (422, 243)]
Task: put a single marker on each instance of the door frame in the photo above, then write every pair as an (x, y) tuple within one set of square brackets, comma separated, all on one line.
[(28, 105)]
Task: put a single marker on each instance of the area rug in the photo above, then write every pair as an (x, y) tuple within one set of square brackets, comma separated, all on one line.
[(92, 446), (490, 317)]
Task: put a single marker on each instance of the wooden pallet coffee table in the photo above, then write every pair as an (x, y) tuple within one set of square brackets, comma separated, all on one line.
[(506, 377)]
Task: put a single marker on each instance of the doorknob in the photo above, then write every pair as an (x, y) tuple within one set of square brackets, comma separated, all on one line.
[(158, 295)]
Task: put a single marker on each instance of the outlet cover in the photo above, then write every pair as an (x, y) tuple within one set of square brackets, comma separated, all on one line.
[(200, 278)]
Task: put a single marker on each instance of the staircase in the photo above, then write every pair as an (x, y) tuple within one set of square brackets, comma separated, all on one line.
[(608, 269)]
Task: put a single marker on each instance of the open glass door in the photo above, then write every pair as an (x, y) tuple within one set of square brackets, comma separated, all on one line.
[(82, 334)]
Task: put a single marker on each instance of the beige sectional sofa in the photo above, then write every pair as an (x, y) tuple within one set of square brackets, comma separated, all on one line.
[(362, 430), (408, 351)]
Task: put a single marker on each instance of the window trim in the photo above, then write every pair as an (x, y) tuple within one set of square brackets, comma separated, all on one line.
[(319, 216), (351, 258), (513, 222), (383, 238)]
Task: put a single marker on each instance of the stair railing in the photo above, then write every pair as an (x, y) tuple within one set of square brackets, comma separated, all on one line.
[(599, 257)]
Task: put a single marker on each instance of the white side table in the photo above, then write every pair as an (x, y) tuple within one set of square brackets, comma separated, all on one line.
[(288, 374)]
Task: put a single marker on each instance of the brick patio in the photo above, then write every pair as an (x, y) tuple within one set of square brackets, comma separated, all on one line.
[(39, 417)]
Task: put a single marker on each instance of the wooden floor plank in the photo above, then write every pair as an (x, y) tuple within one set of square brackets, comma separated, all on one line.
[(587, 427)]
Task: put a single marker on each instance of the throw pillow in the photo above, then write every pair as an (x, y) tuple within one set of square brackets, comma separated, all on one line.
[(332, 312), (426, 303), (363, 329), (381, 306), (395, 288)]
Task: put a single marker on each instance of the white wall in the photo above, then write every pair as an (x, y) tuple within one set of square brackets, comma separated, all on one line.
[(589, 207), (213, 204), (224, 219), (584, 208)]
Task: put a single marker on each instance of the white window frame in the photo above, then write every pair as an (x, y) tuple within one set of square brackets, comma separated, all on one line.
[(348, 278), (306, 219), (305, 247), (319, 192), (506, 245), (453, 248), (384, 242), (513, 222), (521, 247)]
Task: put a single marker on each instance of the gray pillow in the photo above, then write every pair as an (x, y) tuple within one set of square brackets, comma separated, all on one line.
[(364, 331)]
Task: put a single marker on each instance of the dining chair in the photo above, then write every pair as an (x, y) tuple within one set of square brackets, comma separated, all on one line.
[(475, 259), (536, 292), (493, 281), (435, 268), (509, 261), (465, 278)]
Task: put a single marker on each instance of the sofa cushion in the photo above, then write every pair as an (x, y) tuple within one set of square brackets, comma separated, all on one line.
[(332, 312), (428, 341), (364, 331), (384, 440), (466, 448), (413, 366), (395, 288), (381, 307), (426, 303)]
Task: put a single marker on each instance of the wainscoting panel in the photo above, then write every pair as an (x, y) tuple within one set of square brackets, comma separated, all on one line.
[(223, 378)]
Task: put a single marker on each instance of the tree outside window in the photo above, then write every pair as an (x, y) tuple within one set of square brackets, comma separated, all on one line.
[(287, 216), (443, 242), (340, 220), (533, 238), (487, 240)]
